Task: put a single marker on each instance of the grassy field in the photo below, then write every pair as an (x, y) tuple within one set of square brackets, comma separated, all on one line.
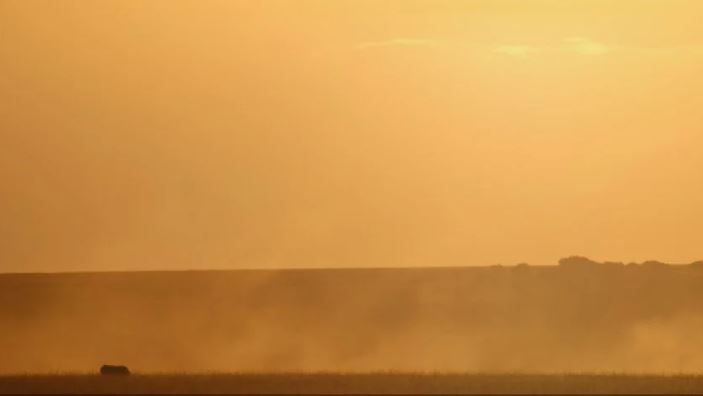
[(356, 383)]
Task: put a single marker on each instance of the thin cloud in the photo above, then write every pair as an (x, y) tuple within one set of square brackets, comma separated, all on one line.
[(398, 42), (579, 45)]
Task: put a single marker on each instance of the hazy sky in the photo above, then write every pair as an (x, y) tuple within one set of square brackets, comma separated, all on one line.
[(249, 134)]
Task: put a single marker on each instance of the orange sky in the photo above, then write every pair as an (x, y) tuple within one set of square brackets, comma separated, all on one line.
[(249, 134)]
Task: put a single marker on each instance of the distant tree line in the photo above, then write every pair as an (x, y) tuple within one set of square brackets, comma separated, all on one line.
[(585, 262)]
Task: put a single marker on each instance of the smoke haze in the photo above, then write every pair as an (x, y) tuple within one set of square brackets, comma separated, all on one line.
[(282, 141), (604, 317)]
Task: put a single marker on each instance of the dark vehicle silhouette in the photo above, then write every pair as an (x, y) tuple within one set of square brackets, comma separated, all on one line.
[(114, 370)]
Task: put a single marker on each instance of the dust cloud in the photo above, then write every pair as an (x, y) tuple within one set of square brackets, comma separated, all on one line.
[(578, 316)]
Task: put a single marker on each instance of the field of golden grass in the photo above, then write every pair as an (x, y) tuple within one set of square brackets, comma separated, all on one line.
[(331, 383)]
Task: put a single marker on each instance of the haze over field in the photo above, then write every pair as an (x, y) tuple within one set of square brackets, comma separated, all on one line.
[(178, 134), (578, 317)]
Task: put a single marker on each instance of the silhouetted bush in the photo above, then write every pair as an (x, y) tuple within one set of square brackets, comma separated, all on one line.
[(578, 262), (697, 265), (653, 264)]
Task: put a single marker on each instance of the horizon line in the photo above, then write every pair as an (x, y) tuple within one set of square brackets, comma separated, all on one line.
[(249, 269)]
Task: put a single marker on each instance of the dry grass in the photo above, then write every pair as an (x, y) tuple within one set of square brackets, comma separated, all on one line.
[(356, 383)]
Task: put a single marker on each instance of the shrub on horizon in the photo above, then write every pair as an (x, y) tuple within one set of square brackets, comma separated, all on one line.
[(578, 262)]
